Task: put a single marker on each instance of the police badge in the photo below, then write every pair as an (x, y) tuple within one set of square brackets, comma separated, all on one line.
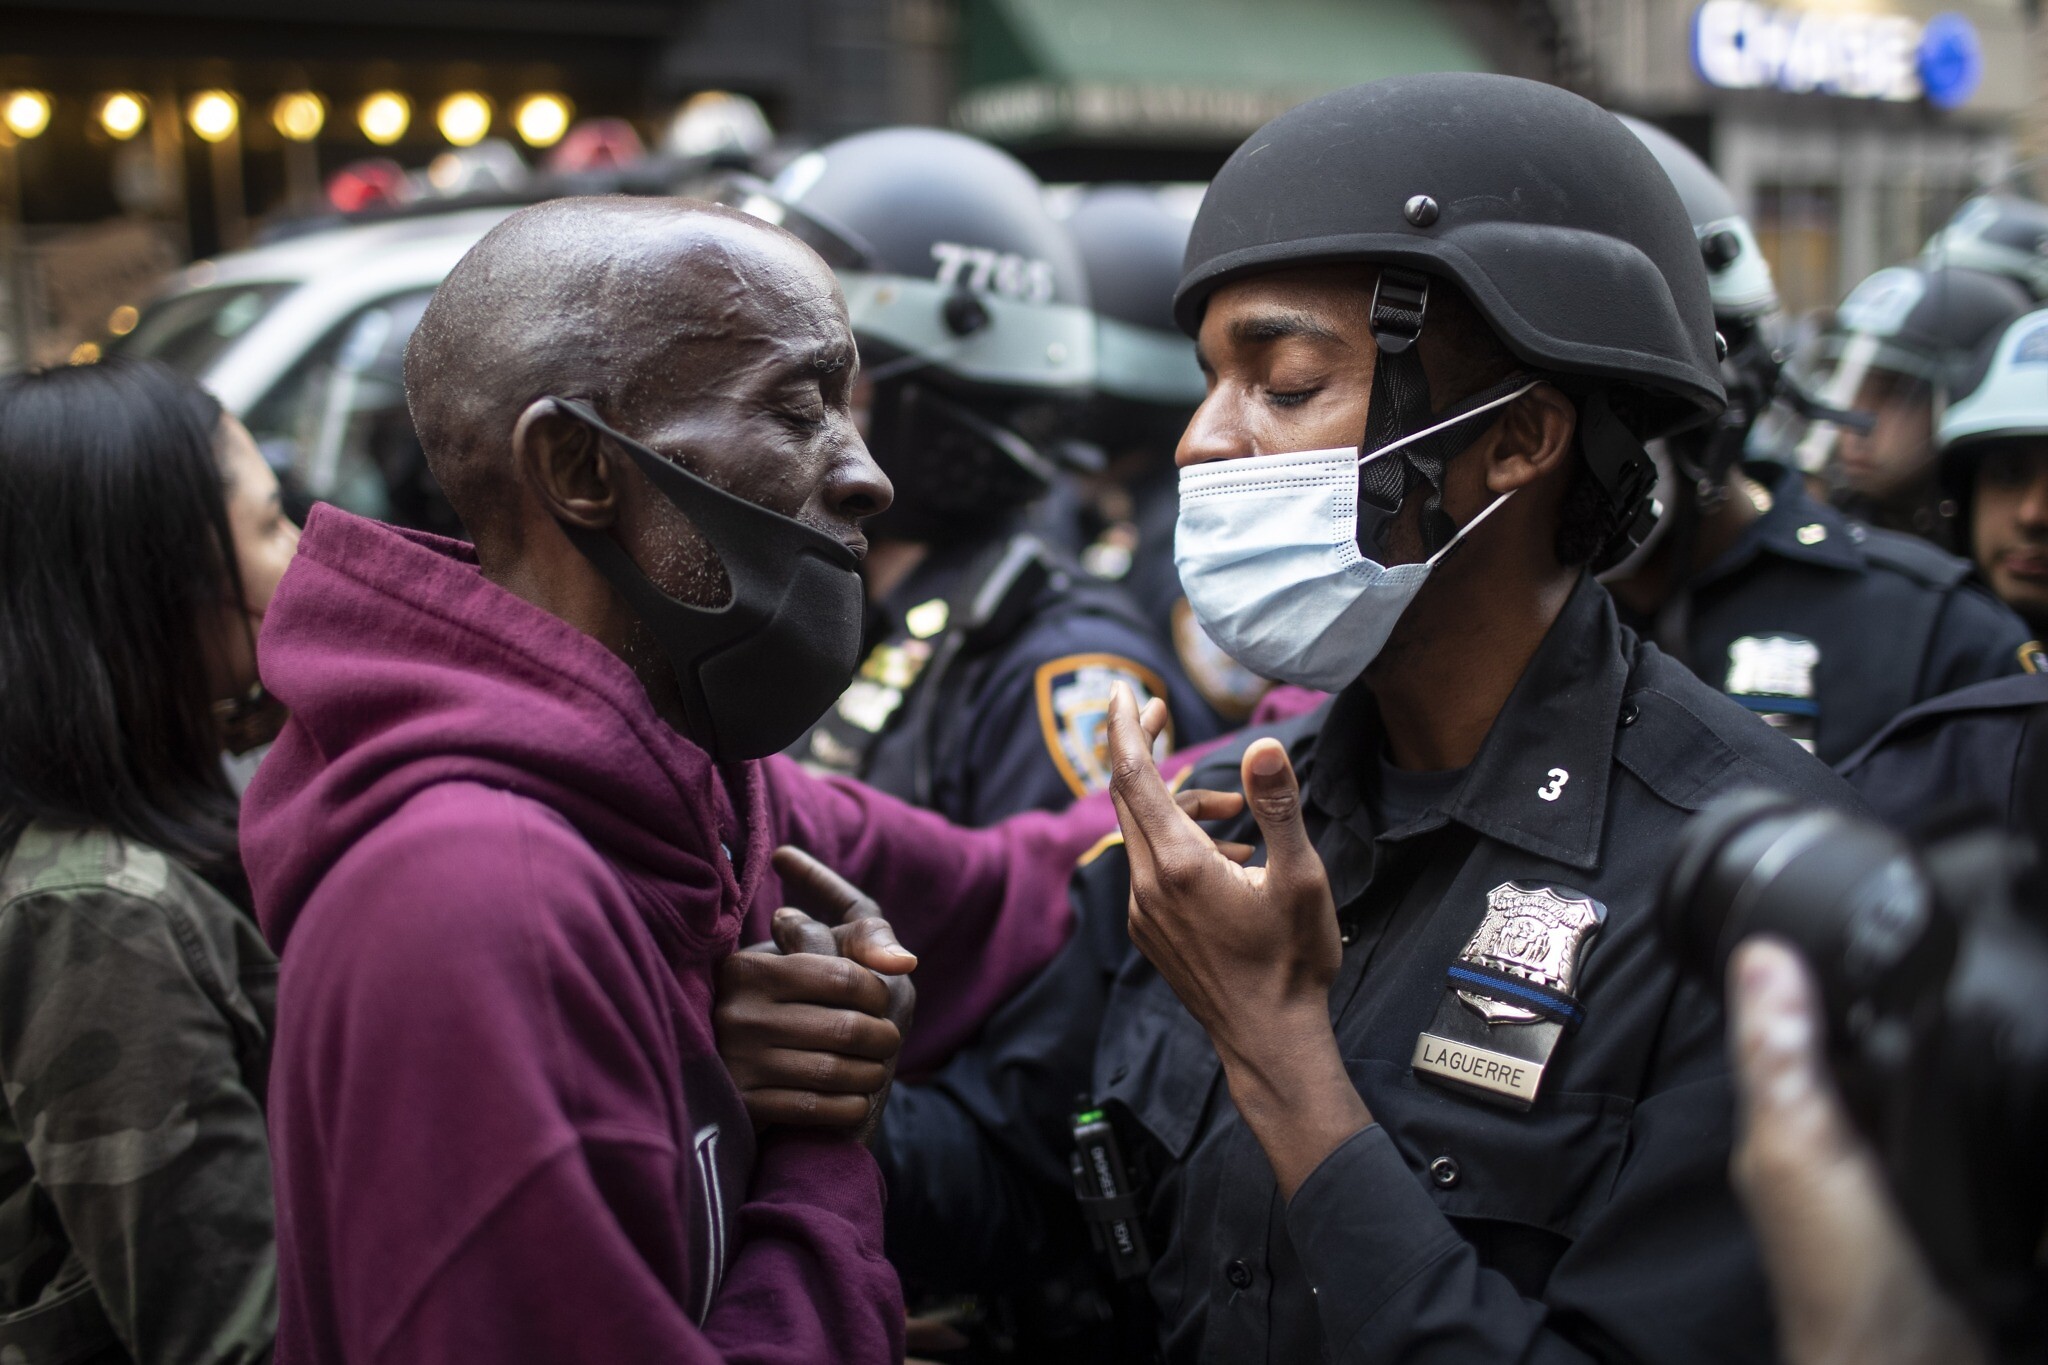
[(1510, 995)]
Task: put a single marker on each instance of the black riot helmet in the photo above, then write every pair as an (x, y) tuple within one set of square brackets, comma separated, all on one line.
[(970, 307), (1745, 304), (1539, 206), (1146, 379)]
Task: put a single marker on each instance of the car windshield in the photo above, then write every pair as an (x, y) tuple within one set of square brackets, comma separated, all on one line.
[(336, 429), (189, 331)]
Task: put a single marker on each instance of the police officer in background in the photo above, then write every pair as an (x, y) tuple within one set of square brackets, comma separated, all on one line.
[(1994, 466), (1897, 349), (1985, 745), (1398, 1067), (990, 655), (1147, 385), (1823, 626)]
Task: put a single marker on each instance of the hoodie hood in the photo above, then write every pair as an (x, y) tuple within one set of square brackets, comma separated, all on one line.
[(404, 667)]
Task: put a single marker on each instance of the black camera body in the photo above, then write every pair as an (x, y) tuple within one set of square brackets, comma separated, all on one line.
[(1931, 957)]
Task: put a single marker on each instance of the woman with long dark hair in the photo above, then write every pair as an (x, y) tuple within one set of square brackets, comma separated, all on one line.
[(140, 540)]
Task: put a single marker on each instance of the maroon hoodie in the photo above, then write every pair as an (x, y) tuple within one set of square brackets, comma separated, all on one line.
[(500, 885)]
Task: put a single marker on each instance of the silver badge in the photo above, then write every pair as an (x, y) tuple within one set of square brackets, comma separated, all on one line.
[(1771, 666), (1532, 934), (1529, 934)]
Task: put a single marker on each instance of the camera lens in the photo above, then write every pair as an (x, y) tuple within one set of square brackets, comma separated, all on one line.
[(1848, 894)]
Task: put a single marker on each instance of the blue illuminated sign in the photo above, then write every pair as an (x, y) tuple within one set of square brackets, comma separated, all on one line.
[(1748, 45)]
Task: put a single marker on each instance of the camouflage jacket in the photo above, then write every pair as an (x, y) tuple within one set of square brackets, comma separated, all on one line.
[(135, 1017)]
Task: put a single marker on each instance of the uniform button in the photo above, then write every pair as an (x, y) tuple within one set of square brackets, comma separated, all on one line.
[(1813, 533), (1630, 714), (1119, 1074), (1239, 1274), (1444, 1172)]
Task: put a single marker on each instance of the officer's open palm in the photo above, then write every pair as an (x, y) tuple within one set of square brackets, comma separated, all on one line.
[(1248, 950)]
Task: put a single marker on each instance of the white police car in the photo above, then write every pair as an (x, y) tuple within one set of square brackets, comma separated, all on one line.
[(302, 339)]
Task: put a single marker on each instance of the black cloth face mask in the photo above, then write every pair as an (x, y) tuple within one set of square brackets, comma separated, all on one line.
[(756, 672)]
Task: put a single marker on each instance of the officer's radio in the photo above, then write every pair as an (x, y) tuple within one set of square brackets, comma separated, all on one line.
[(1108, 1196)]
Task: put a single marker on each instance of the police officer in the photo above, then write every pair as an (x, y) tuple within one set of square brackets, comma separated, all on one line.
[(1994, 466), (1824, 627), (990, 655), (1147, 385), (1898, 347), (1419, 1080)]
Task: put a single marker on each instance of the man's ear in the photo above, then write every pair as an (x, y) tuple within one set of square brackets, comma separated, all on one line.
[(566, 465), (1533, 440)]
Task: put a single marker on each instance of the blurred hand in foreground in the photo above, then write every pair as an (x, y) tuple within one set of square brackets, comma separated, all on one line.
[(1849, 1283)]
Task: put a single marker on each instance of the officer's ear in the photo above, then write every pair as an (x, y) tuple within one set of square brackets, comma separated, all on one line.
[(1532, 441), (566, 465)]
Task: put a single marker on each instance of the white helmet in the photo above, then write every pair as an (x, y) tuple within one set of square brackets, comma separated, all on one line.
[(2010, 397)]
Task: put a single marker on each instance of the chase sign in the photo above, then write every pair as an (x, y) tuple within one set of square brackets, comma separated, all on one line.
[(1746, 45)]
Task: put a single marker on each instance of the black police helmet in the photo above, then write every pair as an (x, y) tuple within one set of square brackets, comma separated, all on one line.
[(1925, 322), (1131, 245), (1738, 277), (1540, 206), (970, 307)]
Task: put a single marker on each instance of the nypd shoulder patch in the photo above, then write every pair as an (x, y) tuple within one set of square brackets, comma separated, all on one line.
[(1073, 713)]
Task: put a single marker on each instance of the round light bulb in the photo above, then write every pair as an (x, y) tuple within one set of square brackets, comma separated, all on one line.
[(213, 115), (384, 117), (464, 118), (122, 114), (25, 112), (299, 115), (542, 119)]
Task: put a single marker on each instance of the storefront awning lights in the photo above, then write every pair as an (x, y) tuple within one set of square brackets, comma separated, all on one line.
[(464, 118), (25, 112), (384, 117), (214, 115), (299, 115), (122, 114), (541, 119)]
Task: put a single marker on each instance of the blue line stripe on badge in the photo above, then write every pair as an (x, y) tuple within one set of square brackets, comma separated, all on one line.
[(1555, 1004)]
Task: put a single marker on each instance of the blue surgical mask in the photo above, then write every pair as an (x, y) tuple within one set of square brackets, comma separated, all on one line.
[(1268, 552)]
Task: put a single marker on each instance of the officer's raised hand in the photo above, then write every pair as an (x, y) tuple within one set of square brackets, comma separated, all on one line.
[(1250, 951), (810, 1025)]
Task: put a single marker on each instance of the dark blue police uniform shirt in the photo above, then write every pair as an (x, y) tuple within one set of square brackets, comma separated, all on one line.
[(1984, 746), (1015, 722), (1830, 628), (1599, 1224)]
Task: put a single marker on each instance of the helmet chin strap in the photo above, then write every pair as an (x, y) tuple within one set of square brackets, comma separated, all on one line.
[(1399, 414), (1399, 407)]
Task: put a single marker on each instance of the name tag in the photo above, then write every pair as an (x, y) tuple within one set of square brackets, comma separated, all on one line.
[(1514, 1078), (1509, 997)]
